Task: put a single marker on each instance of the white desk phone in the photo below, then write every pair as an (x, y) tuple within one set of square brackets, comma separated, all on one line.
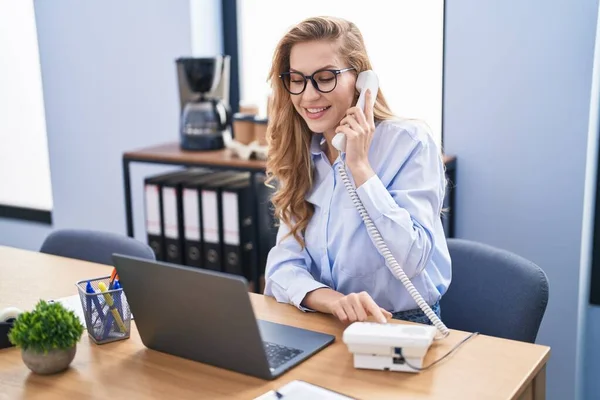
[(393, 347)]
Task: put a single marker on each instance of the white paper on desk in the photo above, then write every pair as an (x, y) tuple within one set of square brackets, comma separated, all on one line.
[(73, 303), (300, 390)]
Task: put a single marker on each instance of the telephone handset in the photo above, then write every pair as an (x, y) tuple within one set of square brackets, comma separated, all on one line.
[(368, 80)]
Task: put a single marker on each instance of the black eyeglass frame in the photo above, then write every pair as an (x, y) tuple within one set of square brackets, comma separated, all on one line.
[(335, 72)]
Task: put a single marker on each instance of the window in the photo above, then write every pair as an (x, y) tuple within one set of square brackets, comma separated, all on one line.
[(24, 163), (404, 40)]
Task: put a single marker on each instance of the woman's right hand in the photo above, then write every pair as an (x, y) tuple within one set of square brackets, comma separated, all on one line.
[(358, 307)]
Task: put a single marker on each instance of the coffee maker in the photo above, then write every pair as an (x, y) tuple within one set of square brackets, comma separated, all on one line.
[(204, 99)]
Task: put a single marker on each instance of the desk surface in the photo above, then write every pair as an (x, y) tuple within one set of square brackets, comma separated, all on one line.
[(484, 368), (172, 153)]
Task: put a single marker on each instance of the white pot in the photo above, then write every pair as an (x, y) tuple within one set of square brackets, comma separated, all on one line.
[(48, 363)]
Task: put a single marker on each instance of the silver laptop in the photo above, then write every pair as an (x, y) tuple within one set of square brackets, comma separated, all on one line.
[(207, 316)]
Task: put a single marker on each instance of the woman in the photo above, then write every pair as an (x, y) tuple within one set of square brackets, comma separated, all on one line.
[(324, 259)]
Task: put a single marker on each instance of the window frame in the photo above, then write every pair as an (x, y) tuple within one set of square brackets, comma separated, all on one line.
[(28, 214)]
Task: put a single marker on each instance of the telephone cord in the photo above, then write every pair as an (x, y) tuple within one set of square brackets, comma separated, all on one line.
[(387, 254)]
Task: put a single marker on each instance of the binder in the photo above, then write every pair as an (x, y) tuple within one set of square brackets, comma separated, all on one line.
[(173, 213), (153, 214), (238, 244), (212, 232), (192, 212)]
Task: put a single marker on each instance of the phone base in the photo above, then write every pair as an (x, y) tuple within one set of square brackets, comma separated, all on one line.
[(388, 347), (387, 363)]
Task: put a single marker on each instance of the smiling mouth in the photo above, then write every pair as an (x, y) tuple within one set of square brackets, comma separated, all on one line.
[(317, 110)]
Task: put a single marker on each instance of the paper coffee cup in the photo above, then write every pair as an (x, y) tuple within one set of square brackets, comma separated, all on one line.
[(260, 130), (243, 128)]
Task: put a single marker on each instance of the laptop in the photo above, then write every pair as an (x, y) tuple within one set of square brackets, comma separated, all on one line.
[(207, 316)]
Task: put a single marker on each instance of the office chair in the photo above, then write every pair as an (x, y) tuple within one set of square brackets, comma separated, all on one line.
[(94, 246), (494, 292)]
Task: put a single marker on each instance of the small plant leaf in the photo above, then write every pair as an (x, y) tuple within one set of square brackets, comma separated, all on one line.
[(48, 326)]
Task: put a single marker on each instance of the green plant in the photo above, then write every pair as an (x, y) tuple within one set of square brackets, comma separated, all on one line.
[(49, 326)]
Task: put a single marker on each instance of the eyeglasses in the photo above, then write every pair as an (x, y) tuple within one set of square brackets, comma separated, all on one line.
[(324, 80)]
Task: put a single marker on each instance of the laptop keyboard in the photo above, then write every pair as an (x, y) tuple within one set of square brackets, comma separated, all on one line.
[(278, 354)]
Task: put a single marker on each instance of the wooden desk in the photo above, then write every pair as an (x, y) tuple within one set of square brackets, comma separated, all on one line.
[(484, 368), (172, 153)]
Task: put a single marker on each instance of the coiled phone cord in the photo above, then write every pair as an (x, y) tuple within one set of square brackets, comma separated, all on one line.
[(387, 254)]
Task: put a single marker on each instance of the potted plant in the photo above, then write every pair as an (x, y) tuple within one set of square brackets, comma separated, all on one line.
[(47, 336)]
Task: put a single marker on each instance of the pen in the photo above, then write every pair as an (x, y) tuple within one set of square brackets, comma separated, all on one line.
[(88, 303), (105, 324), (111, 305), (117, 286), (92, 297), (113, 276)]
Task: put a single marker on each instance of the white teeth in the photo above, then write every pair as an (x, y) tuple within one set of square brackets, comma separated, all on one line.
[(316, 110)]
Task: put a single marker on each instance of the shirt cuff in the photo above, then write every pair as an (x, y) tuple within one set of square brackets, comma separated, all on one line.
[(375, 197), (299, 290)]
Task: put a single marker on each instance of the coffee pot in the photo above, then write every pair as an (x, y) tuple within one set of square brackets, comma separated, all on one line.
[(204, 92)]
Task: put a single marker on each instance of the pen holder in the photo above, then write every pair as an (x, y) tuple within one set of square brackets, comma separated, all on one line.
[(107, 314)]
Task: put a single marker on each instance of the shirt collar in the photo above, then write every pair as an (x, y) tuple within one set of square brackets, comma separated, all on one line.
[(316, 144)]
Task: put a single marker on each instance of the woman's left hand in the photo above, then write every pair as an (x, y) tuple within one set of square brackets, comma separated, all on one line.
[(358, 126)]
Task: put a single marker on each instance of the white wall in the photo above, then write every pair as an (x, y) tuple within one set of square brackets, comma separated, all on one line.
[(517, 90), (207, 27)]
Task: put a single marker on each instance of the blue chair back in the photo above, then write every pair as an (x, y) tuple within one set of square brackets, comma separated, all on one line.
[(94, 246), (494, 292)]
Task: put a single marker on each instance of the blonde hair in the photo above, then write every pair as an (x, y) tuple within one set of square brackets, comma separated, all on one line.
[(289, 161)]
